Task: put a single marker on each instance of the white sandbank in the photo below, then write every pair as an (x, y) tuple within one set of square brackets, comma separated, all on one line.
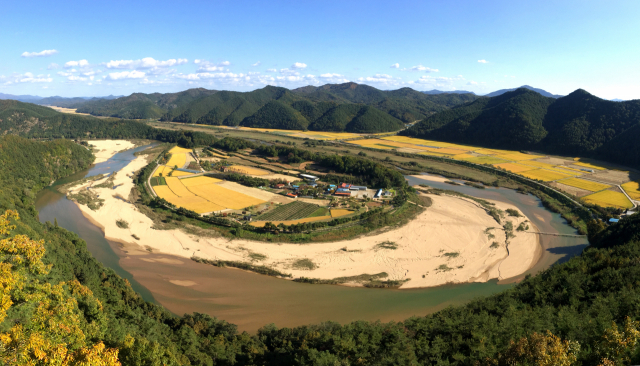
[(426, 252)]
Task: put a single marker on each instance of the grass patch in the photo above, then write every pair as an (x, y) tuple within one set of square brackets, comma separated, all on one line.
[(387, 245), (523, 227), (246, 266), (443, 268), (514, 213), (158, 181), (304, 264), (494, 245), (87, 198), (320, 212), (452, 255), (122, 224), (257, 256)]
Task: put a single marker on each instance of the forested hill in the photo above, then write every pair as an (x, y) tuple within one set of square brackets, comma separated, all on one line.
[(388, 109), (579, 124), (581, 312), (34, 121)]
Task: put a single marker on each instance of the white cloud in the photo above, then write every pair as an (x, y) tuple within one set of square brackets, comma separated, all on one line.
[(39, 54), (472, 83), (81, 63), (256, 64), (53, 66), (225, 63), (76, 78), (381, 79), (145, 63), (421, 68), (272, 70), (395, 66), (483, 61), (65, 74), (207, 66), (125, 75), (28, 77), (299, 66), (289, 72)]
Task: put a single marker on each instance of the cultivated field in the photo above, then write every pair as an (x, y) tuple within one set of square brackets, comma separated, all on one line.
[(632, 189), (609, 199), (544, 175), (338, 213), (199, 181), (292, 211), (584, 184), (224, 197), (514, 167), (248, 170), (290, 222)]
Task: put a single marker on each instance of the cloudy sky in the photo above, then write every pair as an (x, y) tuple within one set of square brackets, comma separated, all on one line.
[(90, 48)]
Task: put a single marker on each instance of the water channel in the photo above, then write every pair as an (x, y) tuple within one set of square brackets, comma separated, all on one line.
[(251, 300)]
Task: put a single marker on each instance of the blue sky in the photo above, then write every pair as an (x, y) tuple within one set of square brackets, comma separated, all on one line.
[(88, 48)]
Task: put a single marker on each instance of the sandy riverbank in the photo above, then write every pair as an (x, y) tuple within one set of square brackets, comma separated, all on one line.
[(107, 148), (448, 243)]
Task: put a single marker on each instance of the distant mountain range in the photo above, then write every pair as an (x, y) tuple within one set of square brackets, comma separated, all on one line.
[(579, 124), (435, 91), (333, 107), (544, 93), (56, 101)]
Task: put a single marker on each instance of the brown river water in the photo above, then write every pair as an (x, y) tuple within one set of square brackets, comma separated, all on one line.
[(251, 300)]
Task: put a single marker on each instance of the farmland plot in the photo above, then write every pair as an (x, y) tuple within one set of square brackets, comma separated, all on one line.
[(291, 211)]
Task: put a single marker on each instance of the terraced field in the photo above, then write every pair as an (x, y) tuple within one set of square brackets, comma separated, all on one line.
[(291, 211)]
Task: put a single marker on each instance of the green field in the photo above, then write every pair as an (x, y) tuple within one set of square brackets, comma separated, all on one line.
[(158, 181), (290, 211)]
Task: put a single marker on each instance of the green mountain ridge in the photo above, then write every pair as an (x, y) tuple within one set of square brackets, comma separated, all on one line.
[(229, 108), (578, 124)]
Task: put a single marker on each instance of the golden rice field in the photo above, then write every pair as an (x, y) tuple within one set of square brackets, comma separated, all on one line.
[(289, 222), (632, 189), (224, 197), (538, 164), (587, 165), (194, 203), (517, 156), (201, 194), (177, 159), (514, 167), (431, 153), (179, 150), (584, 184), (177, 187), (248, 170), (160, 171), (199, 181), (485, 160), (544, 175), (488, 152), (340, 212), (463, 156), (609, 198)]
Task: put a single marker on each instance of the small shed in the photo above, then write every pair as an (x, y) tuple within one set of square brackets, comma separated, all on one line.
[(311, 178), (613, 221)]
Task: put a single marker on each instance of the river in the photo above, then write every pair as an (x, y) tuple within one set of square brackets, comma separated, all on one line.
[(251, 300)]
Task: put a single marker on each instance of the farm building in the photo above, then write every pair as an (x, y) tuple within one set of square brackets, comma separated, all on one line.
[(311, 178), (613, 221), (345, 185), (348, 193), (377, 195), (588, 170), (279, 186), (358, 188), (291, 195)]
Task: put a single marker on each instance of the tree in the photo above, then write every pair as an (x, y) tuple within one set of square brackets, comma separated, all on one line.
[(54, 335)]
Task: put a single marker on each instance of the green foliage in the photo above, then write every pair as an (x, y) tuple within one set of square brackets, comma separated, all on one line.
[(579, 124), (277, 115)]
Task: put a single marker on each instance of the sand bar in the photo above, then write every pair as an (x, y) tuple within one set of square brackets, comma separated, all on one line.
[(448, 243)]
